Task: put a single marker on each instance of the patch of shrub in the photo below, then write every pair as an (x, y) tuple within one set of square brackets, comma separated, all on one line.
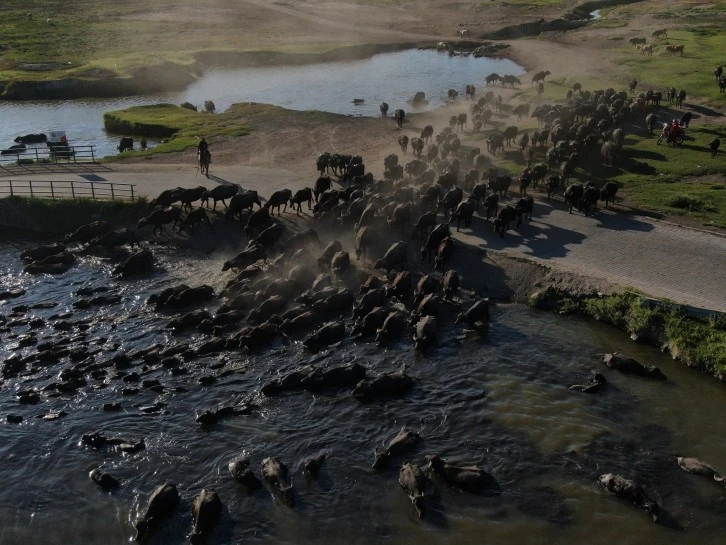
[(188, 106), (685, 202)]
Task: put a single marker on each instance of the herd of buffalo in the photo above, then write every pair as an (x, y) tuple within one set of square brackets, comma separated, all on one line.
[(294, 283)]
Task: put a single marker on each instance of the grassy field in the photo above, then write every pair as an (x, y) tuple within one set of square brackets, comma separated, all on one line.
[(64, 215)]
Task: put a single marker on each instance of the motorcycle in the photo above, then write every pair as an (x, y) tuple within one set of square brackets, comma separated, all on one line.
[(672, 134)]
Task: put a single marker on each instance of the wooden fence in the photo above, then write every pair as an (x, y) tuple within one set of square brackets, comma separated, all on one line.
[(67, 190)]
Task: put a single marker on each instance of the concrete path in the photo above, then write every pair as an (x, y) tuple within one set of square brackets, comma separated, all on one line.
[(664, 260)]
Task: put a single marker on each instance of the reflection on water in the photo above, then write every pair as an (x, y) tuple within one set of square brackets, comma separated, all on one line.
[(388, 77), (500, 402)]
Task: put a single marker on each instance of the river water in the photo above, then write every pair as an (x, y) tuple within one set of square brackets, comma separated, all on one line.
[(500, 402), (390, 77)]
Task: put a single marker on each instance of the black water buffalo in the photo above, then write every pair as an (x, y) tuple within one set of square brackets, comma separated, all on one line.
[(206, 509), (444, 253), (573, 195), (608, 192), (301, 196), (126, 144), (194, 219), (220, 193), (505, 216), (278, 199), (629, 490), (162, 504), (413, 481), (395, 257), (138, 263), (524, 208), (86, 233), (188, 196), (258, 220), (242, 201), (404, 441), (500, 184), (467, 478), (159, 218), (245, 258), (435, 237)]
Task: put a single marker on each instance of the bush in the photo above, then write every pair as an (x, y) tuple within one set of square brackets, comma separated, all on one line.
[(685, 202), (188, 106)]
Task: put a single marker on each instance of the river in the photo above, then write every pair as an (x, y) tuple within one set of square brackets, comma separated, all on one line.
[(500, 402), (331, 87)]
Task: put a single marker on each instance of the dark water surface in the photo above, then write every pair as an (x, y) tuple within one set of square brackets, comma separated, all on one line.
[(500, 402), (331, 87)]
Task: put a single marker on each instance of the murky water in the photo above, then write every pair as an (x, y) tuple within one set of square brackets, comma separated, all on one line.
[(390, 77), (500, 402)]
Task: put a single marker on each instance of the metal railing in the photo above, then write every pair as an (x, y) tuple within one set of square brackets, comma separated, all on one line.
[(68, 189), (57, 154)]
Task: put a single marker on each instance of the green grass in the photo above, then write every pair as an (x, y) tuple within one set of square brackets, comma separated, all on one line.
[(180, 127), (705, 48), (698, 343), (65, 215)]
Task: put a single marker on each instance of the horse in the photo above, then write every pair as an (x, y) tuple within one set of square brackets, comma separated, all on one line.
[(205, 157)]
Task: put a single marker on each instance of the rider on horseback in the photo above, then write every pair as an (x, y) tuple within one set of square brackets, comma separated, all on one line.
[(203, 155)]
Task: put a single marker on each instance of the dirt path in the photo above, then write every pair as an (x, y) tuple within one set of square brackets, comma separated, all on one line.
[(663, 260)]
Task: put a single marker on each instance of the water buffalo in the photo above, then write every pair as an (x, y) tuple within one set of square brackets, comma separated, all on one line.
[(629, 490), (116, 238), (194, 219), (524, 208), (573, 195), (322, 184), (41, 252), (258, 220), (277, 475), (500, 184), (464, 211), (126, 144), (206, 509), (425, 222), (444, 253), (159, 218), (425, 332), (166, 198), (608, 192), (476, 314), (404, 441), (395, 256), (435, 237), (328, 334), (245, 258), (278, 199), (492, 205), (162, 504), (86, 233), (383, 108), (467, 478), (413, 481), (631, 366), (188, 196), (138, 263), (505, 216), (370, 323), (220, 193), (451, 283), (385, 385), (243, 474), (400, 115)]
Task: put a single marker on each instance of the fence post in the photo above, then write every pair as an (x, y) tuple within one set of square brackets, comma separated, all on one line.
[(52, 192), (132, 192), (11, 188), (113, 197), (73, 191), (30, 185), (93, 158), (93, 191)]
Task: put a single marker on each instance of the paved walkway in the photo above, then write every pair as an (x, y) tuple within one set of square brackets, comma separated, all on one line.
[(666, 261)]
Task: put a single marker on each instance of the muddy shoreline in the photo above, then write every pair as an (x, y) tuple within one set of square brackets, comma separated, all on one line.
[(169, 77)]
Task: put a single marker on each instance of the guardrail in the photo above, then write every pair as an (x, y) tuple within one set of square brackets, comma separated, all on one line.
[(57, 154), (68, 189)]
